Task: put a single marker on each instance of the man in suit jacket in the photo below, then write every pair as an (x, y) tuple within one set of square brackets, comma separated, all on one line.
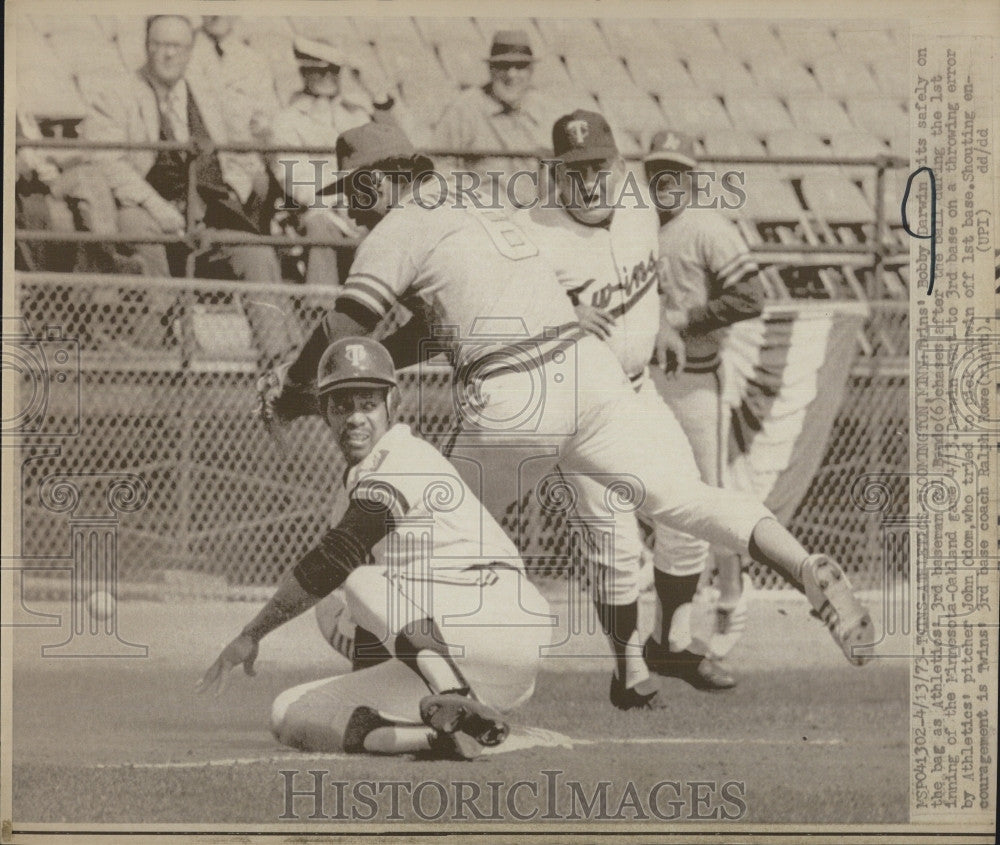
[(160, 102)]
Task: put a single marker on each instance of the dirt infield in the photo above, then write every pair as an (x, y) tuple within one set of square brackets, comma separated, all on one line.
[(128, 740)]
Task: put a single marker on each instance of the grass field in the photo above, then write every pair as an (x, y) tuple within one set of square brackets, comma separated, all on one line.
[(128, 740)]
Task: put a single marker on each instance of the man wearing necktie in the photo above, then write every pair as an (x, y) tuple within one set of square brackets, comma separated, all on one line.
[(161, 101), (334, 98)]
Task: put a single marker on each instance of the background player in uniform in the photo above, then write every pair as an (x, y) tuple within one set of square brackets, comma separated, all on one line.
[(443, 691), (603, 244), (532, 388), (710, 281)]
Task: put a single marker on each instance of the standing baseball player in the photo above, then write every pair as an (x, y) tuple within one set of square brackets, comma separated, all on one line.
[(436, 559), (532, 389), (605, 255), (710, 281)]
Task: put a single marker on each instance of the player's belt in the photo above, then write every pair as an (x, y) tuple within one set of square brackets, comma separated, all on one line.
[(516, 358), (637, 378)]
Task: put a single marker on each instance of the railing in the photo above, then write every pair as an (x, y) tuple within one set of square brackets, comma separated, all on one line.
[(199, 239)]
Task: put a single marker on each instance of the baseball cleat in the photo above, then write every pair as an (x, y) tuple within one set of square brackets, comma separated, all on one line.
[(646, 695), (700, 672), (830, 594), (463, 725)]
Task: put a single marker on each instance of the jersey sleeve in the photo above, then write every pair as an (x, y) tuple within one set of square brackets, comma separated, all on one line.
[(726, 254), (385, 266)]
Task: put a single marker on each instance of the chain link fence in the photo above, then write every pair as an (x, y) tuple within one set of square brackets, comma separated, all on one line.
[(165, 391)]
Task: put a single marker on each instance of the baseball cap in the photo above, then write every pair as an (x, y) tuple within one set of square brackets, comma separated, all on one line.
[(583, 135), (670, 147), (511, 45), (317, 54), (363, 146)]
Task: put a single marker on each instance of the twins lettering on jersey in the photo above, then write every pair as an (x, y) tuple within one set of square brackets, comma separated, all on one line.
[(633, 286)]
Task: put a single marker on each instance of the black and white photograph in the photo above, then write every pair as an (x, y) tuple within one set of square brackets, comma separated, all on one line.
[(556, 422)]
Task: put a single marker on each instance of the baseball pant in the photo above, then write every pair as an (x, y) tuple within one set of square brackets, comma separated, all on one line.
[(493, 623), (600, 511), (589, 420)]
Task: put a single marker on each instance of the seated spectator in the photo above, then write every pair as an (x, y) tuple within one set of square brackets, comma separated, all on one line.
[(58, 190), (248, 96), (316, 117), (506, 113), (160, 102)]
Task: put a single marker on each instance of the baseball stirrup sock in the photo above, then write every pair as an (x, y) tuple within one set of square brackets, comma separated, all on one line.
[(621, 624), (674, 592), (421, 647), (369, 731)]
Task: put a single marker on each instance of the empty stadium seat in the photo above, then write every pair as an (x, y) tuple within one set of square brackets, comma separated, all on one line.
[(818, 114), (692, 38), (784, 76), (550, 73), (659, 75), (695, 115), (866, 41), (573, 37), (44, 88), (738, 143), (464, 64), (876, 114), (759, 113), (718, 74), (638, 114), (452, 33), (375, 29), (420, 66), (841, 76), (749, 39), (807, 41), (83, 47), (127, 36), (627, 37), (607, 76), (798, 142), (891, 73)]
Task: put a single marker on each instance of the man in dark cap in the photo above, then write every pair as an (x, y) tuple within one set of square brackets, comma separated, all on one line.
[(506, 112)]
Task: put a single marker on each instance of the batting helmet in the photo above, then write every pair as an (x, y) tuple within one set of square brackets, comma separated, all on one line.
[(354, 361)]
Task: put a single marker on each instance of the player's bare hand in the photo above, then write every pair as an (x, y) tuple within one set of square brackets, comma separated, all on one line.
[(670, 349), (597, 321), (241, 650)]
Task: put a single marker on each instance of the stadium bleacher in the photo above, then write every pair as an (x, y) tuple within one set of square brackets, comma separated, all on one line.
[(741, 87)]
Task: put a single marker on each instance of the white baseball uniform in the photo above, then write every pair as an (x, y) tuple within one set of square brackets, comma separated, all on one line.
[(443, 560), (532, 389), (615, 267), (701, 254)]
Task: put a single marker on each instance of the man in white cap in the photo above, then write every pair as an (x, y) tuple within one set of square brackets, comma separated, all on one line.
[(316, 117)]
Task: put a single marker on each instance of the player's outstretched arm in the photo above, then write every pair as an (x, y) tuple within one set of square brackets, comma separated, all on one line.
[(289, 601)]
